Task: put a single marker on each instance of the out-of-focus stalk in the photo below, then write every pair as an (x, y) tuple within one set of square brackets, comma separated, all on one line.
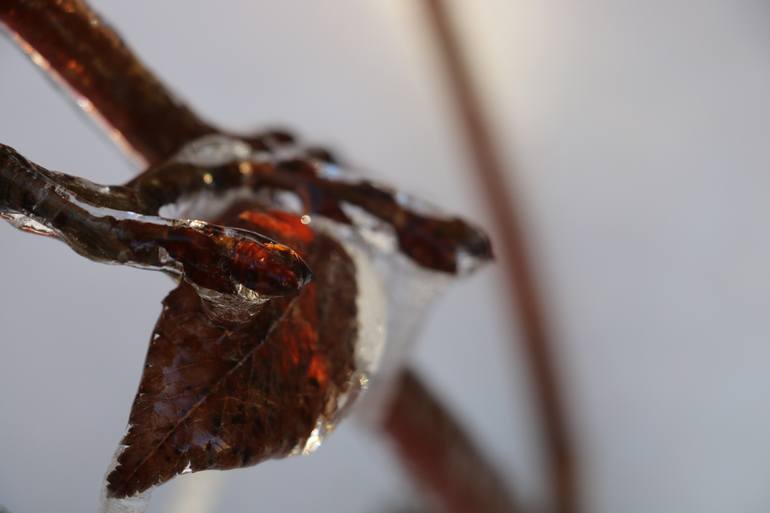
[(440, 455), (522, 286), (74, 45)]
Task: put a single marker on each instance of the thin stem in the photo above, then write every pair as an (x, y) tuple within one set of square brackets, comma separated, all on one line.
[(73, 44), (440, 455), (523, 287)]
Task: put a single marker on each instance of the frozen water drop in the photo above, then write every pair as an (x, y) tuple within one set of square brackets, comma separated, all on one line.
[(27, 224), (135, 504), (213, 150)]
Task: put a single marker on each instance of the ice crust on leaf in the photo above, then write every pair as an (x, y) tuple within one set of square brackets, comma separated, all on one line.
[(251, 359), (392, 253), (137, 503)]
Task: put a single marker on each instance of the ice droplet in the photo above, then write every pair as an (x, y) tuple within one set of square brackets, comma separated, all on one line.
[(136, 504), (27, 224), (213, 150), (314, 440)]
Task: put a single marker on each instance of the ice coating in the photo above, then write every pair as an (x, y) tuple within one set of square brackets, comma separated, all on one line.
[(370, 345), (225, 395), (102, 224), (243, 222), (373, 222), (383, 236), (213, 150), (432, 240), (134, 504), (398, 294), (137, 503), (27, 224)]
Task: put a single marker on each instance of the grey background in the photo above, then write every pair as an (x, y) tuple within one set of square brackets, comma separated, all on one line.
[(638, 134)]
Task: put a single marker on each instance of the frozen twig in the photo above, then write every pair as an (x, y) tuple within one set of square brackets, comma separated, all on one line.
[(74, 45), (107, 224)]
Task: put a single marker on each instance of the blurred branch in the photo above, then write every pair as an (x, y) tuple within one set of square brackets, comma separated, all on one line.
[(74, 45), (440, 455), (522, 283)]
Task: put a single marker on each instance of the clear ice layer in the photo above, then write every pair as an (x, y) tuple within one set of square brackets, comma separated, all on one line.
[(247, 332)]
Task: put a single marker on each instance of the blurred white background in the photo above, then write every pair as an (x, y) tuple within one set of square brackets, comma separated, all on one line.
[(638, 132)]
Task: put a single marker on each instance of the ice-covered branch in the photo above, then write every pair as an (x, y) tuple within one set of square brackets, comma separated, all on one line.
[(69, 41)]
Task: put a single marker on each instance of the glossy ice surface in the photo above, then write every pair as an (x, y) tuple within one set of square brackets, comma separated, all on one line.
[(248, 361)]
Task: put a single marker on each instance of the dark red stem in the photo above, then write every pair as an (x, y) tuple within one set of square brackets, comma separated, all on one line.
[(440, 455), (522, 283), (70, 41)]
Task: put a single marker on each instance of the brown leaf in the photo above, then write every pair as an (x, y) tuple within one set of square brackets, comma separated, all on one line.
[(220, 395)]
